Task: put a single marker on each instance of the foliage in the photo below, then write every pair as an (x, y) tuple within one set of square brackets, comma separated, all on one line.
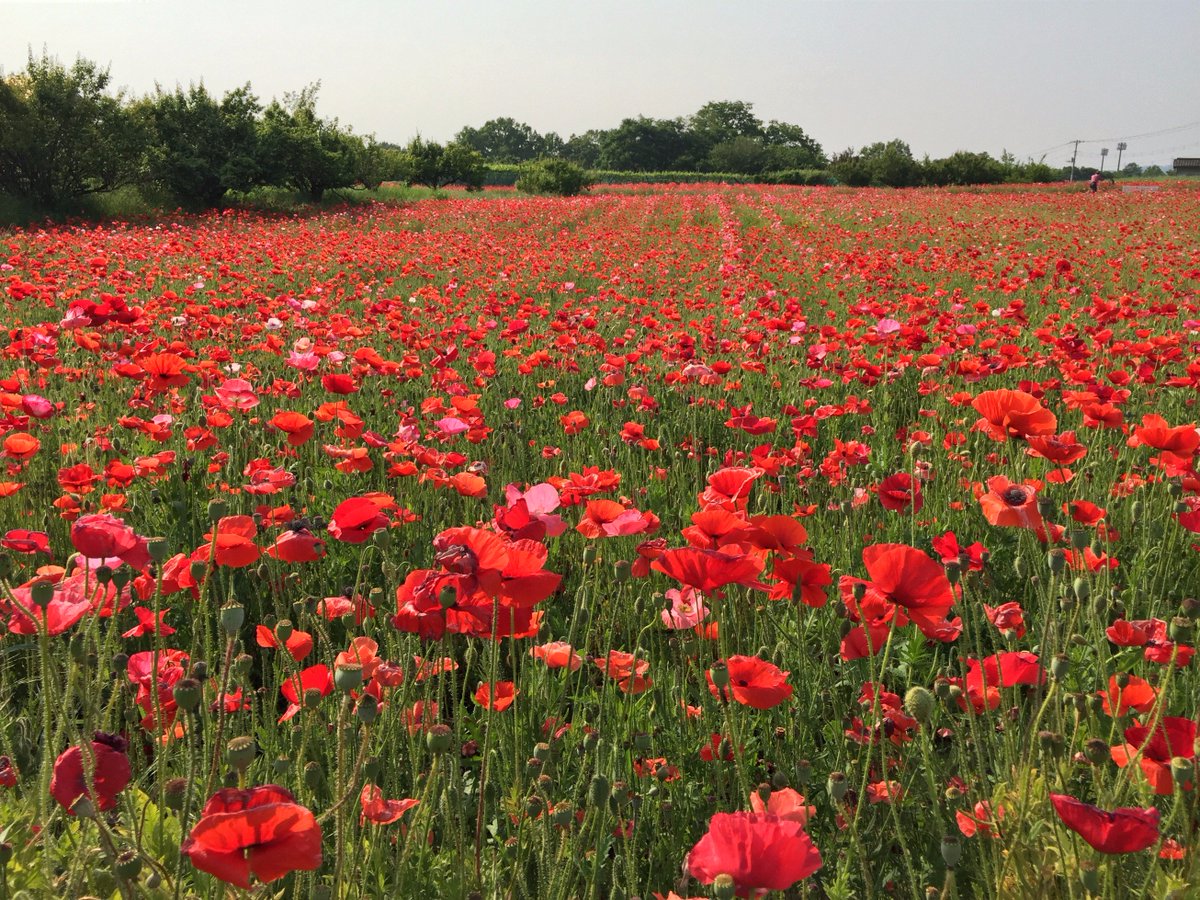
[(559, 177), (200, 148), (505, 140), (645, 145), (436, 166), (306, 152), (62, 135)]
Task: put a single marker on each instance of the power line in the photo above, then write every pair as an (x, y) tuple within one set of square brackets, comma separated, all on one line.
[(1130, 137)]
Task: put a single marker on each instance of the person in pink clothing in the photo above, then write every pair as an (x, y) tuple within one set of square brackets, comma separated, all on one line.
[(1094, 182)]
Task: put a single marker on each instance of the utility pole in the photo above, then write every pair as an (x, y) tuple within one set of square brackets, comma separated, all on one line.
[(1074, 154), (1120, 149)]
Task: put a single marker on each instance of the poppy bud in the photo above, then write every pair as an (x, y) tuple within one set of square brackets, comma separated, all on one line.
[(621, 571), (1051, 742), (313, 776), (1190, 607), (199, 670), (918, 703), (719, 674), (589, 554), (127, 866), (1136, 511), (187, 693), (281, 764), (217, 510), (804, 772), (953, 571), (941, 688), (951, 850), (240, 752), (1060, 664), (232, 617), (954, 693), (641, 741), (120, 663), (382, 539), (1082, 589), (1046, 507), (438, 739), (952, 793), (724, 887), (348, 677), (591, 740), (368, 709), (1180, 629), (1097, 752), (1066, 603), (533, 806), (1183, 770), (836, 785), (241, 665), (42, 593), (158, 550), (1056, 560)]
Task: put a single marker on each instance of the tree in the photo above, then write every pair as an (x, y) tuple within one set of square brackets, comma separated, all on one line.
[(741, 155), (505, 140), (306, 152), (721, 121), (583, 149), (963, 167), (435, 166), (199, 148), (790, 147), (61, 135), (647, 145), (554, 176)]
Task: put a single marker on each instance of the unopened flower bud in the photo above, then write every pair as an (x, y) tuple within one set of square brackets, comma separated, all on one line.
[(313, 775), (1060, 664), (919, 703), (174, 792), (621, 571), (1056, 561), (1096, 751), (1051, 742), (1082, 589), (589, 554), (599, 790)]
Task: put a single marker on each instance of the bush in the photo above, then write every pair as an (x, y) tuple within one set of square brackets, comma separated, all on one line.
[(800, 177), (554, 176)]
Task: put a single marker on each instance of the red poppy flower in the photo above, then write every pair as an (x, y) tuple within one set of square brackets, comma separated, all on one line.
[(628, 670), (753, 682), (165, 371), (356, 519), (314, 678), (1124, 830), (20, 446), (906, 577), (708, 570), (1137, 695), (496, 697), (260, 832), (901, 493), (1154, 431), (8, 772), (1174, 736), (557, 655), (1009, 504), (1008, 413), (297, 426), (102, 536), (298, 644), (68, 782), (757, 851), (785, 803), (21, 540), (377, 810)]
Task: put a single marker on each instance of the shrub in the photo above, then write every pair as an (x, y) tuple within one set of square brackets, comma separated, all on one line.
[(554, 176)]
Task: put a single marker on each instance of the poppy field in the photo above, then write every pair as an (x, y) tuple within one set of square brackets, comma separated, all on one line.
[(673, 542)]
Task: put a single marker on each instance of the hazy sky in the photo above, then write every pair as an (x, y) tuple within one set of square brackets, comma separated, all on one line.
[(955, 74)]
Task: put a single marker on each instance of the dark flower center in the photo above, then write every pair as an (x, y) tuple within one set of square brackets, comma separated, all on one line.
[(1014, 496)]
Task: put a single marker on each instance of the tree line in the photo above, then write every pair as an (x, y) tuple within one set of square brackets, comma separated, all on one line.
[(65, 135)]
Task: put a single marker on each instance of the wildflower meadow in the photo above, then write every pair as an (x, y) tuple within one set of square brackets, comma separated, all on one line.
[(667, 541)]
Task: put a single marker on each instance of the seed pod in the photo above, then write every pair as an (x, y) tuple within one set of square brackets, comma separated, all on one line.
[(836, 785), (439, 738), (240, 752), (232, 617), (368, 709), (187, 693), (127, 866), (348, 677), (951, 850)]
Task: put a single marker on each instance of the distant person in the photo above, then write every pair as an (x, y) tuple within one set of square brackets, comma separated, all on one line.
[(1094, 182)]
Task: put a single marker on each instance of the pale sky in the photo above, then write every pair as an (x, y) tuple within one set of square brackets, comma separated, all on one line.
[(954, 74)]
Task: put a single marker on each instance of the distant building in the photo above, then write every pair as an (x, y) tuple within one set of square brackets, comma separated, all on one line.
[(1186, 165)]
